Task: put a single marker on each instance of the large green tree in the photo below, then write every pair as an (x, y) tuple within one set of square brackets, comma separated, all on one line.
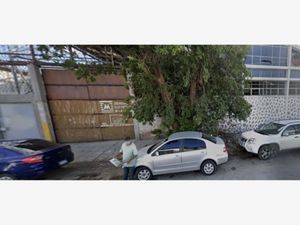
[(191, 87)]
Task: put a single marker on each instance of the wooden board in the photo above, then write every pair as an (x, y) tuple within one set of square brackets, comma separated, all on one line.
[(83, 111)]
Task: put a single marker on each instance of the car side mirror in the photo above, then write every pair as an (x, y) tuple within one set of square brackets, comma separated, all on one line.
[(155, 153), (285, 134)]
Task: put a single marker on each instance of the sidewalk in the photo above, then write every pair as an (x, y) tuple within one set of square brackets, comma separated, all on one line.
[(92, 161)]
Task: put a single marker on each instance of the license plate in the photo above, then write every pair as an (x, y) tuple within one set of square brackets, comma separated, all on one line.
[(63, 162)]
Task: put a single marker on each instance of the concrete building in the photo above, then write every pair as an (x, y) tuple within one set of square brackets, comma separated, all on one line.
[(274, 90)]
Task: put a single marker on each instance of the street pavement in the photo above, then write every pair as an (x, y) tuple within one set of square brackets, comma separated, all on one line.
[(246, 166), (92, 163)]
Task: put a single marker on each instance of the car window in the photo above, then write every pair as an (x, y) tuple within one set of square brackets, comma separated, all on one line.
[(193, 144), (168, 151), (170, 147), (290, 130), (297, 129), (269, 128), (154, 146)]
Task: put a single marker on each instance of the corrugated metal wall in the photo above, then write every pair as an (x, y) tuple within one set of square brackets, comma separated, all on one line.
[(84, 111)]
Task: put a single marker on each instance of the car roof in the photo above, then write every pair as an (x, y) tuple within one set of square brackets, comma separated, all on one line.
[(185, 134), (286, 122)]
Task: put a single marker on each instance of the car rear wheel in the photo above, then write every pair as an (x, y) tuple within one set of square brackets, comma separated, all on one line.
[(7, 177), (143, 173), (267, 151), (208, 167)]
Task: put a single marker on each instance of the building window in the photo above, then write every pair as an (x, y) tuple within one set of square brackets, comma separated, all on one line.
[(295, 73), (274, 55), (294, 88), (295, 57), (268, 73), (15, 80), (265, 88)]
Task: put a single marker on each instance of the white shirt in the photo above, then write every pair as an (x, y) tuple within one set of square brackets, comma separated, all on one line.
[(129, 151)]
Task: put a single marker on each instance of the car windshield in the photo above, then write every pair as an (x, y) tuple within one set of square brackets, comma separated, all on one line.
[(155, 146), (269, 128)]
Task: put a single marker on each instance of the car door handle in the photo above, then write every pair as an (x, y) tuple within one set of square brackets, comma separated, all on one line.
[(177, 155), (296, 137)]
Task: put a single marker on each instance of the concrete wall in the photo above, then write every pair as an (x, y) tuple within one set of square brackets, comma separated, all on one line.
[(144, 130), (293, 107), (265, 109)]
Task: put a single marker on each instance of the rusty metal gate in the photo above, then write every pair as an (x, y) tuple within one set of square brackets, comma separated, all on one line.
[(84, 111)]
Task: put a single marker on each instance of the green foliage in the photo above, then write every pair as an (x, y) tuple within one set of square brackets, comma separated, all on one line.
[(158, 133), (218, 73), (191, 87)]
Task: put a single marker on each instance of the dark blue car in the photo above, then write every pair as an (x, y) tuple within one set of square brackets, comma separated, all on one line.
[(31, 158)]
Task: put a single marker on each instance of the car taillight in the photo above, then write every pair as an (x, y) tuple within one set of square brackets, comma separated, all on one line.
[(33, 159), (225, 149)]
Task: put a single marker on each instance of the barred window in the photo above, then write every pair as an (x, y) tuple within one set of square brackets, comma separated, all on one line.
[(294, 88), (265, 88), (295, 73)]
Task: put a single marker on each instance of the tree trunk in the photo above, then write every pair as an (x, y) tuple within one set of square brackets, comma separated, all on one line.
[(197, 85), (162, 83)]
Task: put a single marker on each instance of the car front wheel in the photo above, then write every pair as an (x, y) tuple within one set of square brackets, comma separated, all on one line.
[(7, 177), (267, 151), (143, 173), (208, 167)]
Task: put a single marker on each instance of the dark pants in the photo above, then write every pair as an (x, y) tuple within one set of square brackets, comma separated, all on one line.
[(128, 173)]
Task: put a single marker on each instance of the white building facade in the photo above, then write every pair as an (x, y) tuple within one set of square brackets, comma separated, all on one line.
[(274, 90)]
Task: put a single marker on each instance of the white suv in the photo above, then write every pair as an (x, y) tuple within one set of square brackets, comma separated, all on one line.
[(272, 137)]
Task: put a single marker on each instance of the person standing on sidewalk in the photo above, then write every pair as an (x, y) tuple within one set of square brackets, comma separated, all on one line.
[(129, 154)]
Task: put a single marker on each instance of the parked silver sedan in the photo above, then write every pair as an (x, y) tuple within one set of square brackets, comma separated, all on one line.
[(181, 152)]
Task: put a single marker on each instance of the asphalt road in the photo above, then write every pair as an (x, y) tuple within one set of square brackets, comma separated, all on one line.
[(91, 163), (246, 166)]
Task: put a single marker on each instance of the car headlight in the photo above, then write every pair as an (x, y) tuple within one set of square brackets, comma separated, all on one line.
[(251, 140)]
